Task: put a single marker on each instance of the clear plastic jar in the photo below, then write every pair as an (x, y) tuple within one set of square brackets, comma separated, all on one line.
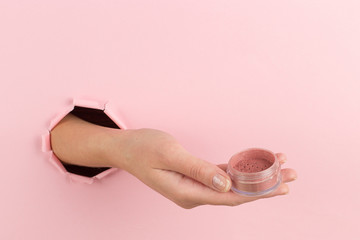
[(254, 172)]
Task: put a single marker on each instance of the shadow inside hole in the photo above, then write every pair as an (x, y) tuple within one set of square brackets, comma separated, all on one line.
[(95, 116), (84, 171), (98, 117)]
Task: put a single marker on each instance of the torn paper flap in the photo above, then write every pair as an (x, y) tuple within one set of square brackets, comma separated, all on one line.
[(46, 139)]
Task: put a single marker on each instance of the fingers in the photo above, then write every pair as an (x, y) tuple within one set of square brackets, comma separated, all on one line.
[(234, 199), (288, 175), (210, 175), (282, 157), (215, 178), (202, 171), (189, 193)]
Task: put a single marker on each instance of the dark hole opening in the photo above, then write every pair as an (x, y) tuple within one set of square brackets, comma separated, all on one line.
[(98, 117), (95, 116)]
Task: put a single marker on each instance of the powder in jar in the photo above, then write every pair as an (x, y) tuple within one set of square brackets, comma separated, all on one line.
[(254, 172), (253, 165)]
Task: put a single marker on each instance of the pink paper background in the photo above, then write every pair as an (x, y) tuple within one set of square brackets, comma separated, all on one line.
[(219, 75)]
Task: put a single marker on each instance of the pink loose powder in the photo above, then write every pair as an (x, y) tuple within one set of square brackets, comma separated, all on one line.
[(254, 172), (252, 165)]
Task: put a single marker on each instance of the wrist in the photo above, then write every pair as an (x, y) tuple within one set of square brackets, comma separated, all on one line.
[(115, 147)]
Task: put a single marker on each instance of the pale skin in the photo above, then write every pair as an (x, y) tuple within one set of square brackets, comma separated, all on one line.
[(155, 158)]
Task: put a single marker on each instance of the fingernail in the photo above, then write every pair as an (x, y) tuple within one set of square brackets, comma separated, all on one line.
[(221, 183)]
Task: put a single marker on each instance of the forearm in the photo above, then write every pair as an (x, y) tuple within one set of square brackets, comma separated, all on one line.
[(78, 142)]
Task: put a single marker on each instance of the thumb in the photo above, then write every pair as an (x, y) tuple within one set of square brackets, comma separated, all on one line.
[(204, 172)]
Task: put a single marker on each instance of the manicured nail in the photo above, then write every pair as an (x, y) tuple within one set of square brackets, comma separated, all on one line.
[(221, 183)]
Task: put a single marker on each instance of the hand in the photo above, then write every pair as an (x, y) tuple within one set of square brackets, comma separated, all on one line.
[(155, 158), (160, 162)]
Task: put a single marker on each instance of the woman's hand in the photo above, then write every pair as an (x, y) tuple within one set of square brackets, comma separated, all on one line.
[(160, 162), (155, 158)]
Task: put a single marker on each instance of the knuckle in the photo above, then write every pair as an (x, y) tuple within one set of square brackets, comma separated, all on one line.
[(169, 149), (195, 172)]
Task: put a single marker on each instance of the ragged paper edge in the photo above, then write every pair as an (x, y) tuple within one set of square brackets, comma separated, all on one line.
[(46, 141), (109, 110), (89, 103)]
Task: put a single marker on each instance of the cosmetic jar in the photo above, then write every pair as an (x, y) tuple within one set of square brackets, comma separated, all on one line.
[(254, 172)]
